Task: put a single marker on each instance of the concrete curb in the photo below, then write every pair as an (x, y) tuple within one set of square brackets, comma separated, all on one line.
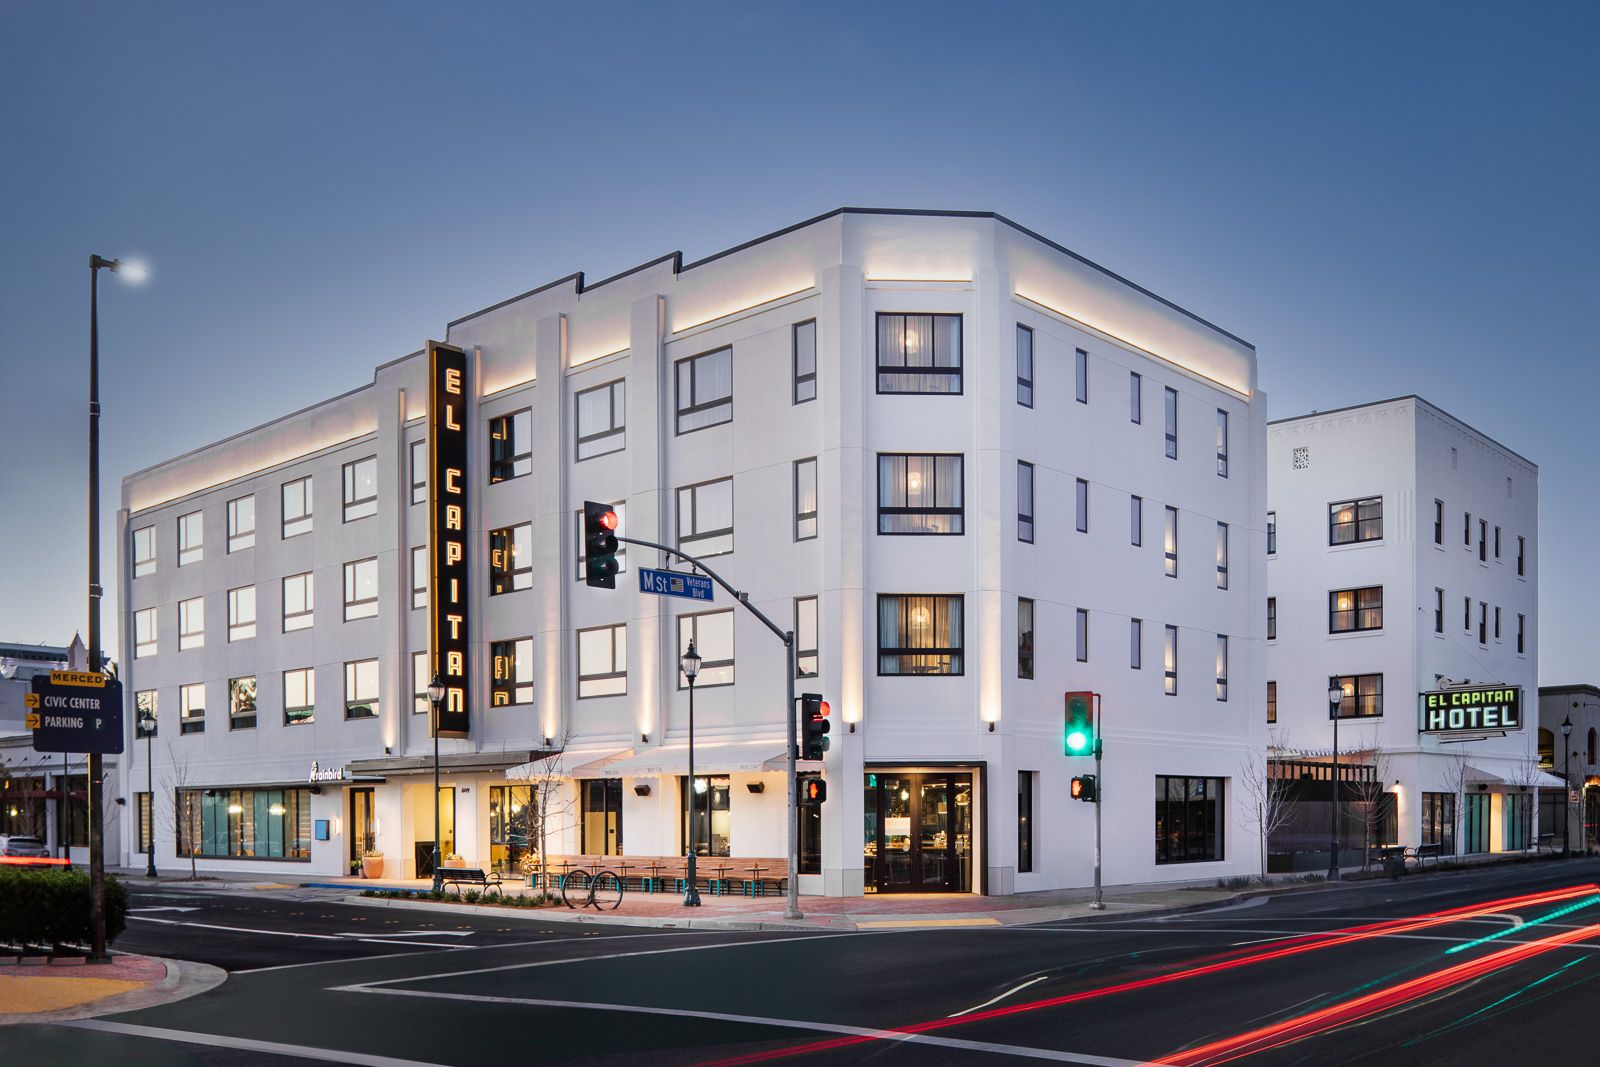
[(184, 979)]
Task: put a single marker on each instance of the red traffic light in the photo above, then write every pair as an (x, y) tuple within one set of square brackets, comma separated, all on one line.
[(813, 791), (823, 709), (609, 520), (1077, 788)]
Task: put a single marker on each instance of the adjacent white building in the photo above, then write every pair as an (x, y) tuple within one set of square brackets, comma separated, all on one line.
[(972, 469), (1402, 560), (1569, 747)]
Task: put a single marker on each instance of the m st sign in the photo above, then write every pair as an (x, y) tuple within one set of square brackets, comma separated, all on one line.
[(1481, 708)]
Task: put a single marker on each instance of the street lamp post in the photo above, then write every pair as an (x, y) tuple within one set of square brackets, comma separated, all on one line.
[(435, 698), (691, 670), (1335, 698), (147, 726), (1566, 785)]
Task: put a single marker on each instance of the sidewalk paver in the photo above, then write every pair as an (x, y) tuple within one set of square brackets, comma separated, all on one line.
[(37, 991)]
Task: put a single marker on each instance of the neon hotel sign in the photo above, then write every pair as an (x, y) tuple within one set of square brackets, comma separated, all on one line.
[(447, 529)]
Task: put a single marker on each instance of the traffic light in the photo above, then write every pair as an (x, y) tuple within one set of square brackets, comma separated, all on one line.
[(814, 726), (1085, 788), (813, 791), (599, 545), (1078, 737)]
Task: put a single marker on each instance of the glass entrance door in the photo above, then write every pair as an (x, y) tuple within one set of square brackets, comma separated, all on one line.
[(918, 833), (363, 823)]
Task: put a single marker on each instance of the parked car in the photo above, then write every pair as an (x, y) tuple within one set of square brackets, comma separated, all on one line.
[(23, 846)]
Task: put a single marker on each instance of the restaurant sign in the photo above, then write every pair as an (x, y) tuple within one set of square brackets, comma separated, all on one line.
[(447, 528), (320, 773), (1478, 708)]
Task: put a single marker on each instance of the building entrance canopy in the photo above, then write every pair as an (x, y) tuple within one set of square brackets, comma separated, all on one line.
[(708, 759), (1545, 780)]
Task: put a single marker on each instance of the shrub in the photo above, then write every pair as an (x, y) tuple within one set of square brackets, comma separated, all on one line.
[(53, 908), (472, 896)]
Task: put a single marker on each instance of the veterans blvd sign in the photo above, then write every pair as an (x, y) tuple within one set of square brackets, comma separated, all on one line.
[(670, 583), (75, 711), (1485, 708)]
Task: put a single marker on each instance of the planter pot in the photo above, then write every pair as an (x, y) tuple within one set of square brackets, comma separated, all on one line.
[(372, 866)]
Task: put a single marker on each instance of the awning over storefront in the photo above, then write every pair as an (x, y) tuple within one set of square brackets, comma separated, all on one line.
[(1476, 775), (576, 763), (458, 763), (709, 758)]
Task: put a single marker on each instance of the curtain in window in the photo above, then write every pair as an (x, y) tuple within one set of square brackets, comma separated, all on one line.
[(929, 625)]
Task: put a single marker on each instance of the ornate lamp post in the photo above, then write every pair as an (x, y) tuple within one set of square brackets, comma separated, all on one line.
[(1566, 785), (1335, 698), (691, 670), (147, 727), (435, 698)]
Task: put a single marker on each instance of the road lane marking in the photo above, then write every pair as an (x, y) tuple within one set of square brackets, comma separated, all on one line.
[(908, 924), (998, 999), (452, 948), (133, 911), (193, 1037), (296, 933), (870, 1033)]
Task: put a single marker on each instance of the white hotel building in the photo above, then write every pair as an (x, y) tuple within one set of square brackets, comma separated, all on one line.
[(1403, 558), (973, 470)]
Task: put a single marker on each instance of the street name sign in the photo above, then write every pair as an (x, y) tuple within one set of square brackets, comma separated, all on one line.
[(670, 583), (75, 711)]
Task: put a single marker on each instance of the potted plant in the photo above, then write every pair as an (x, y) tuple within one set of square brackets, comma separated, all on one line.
[(371, 863)]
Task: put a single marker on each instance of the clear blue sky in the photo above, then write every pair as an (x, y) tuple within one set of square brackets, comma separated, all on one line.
[(1384, 198)]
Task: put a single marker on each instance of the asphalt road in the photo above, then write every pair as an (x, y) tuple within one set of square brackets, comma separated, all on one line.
[(1460, 969)]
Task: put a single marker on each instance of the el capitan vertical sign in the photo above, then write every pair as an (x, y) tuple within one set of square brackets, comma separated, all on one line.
[(447, 532)]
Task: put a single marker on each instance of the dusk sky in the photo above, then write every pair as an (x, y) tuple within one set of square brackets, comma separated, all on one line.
[(1384, 199)]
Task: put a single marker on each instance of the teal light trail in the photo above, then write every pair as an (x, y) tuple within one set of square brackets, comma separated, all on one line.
[(1586, 902)]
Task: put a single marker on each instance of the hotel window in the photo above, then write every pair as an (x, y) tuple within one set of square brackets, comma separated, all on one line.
[(511, 672), (1522, 555), (1497, 624), (603, 661), (1171, 409), (1272, 618), (920, 634), (361, 489), (299, 696), (144, 633), (1467, 617), (1081, 503), (241, 523), (919, 353), (1483, 623), (419, 577), (421, 676), (1354, 521), (805, 637), (192, 708), (1025, 502), (705, 518), (1355, 610), (1497, 542), (297, 602), (511, 559), (920, 494), (510, 446), (712, 634), (419, 471), (191, 623), (805, 361), (1081, 369), (1438, 610), (1438, 522), (1135, 397), (1483, 540), (1025, 781), (1024, 637), (245, 823), (1272, 701), (1222, 667), (1169, 661), (602, 419), (361, 689), (1466, 530), (1136, 644), (621, 509), (145, 704), (1363, 695), (1024, 366), (1081, 635), (705, 390), (1170, 542), (144, 551), (1272, 533), (361, 589), (242, 613), (297, 516), (1222, 555), (1222, 443), (1188, 820), (242, 703), (191, 538), (1522, 634), (1136, 520), (805, 499)]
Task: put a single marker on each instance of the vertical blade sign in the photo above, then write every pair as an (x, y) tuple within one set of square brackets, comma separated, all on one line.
[(447, 528)]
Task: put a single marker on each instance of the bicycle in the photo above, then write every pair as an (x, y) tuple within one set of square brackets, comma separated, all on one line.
[(601, 890)]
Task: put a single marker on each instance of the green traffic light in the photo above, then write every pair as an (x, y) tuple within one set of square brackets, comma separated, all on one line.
[(1077, 741)]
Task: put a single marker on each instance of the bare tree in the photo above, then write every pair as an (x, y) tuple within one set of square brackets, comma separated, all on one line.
[(1366, 795), (1268, 797), (1457, 775), (551, 800), (1526, 776), (180, 816)]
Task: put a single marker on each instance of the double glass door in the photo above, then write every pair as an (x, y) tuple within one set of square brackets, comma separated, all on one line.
[(918, 833)]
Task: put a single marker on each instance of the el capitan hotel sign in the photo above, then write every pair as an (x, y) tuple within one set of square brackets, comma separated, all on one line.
[(447, 532), (1487, 707)]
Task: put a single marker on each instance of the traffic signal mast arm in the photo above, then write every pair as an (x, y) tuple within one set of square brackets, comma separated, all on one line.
[(743, 598)]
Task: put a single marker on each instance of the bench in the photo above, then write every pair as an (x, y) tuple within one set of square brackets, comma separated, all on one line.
[(460, 876), (1420, 854)]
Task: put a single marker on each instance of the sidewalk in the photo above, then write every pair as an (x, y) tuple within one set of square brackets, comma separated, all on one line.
[(60, 989)]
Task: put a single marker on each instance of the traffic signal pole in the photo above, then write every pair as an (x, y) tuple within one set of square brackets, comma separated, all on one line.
[(1098, 903), (791, 715)]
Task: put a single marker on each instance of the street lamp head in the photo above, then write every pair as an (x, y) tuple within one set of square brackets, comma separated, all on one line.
[(691, 662), (435, 690), (132, 271), (1335, 695), (1566, 726)]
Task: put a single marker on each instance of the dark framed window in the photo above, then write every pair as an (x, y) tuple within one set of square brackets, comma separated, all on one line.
[(242, 703), (361, 689), (1467, 614), (1170, 542), (1522, 557), (361, 589), (244, 823), (511, 559), (705, 390), (600, 815), (920, 493), (242, 613), (805, 361), (603, 661), (191, 623), (705, 518), (299, 601), (1025, 780), (1272, 618), (1438, 522), (1024, 366), (602, 413), (1024, 637), (1135, 520), (1081, 375), (144, 551), (1466, 530), (295, 497), (1438, 610), (144, 633), (920, 634), (1483, 623), (361, 489), (1363, 696), (1171, 413), (621, 508), (1483, 540), (242, 524), (1439, 821), (712, 634), (1222, 443), (1135, 398), (805, 499), (1497, 542), (1272, 701), (1136, 644), (1272, 533), (511, 672), (192, 708), (1353, 521), (1522, 634), (1189, 822), (419, 577), (421, 677), (1081, 635), (1025, 502), (1222, 555), (1355, 610), (919, 353), (805, 637), (1169, 661), (510, 446), (299, 696), (708, 805), (1222, 667), (419, 471), (191, 538), (1081, 505), (1497, 623)]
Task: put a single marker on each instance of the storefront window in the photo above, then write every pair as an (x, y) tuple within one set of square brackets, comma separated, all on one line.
[(713, 820), (21, 813), (1439, 821), (245, 823), (602, 816), (1188, 819), (513, 832)]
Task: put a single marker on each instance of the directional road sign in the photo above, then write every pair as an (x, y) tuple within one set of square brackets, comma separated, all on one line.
[(670, 583), (75, 711)]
